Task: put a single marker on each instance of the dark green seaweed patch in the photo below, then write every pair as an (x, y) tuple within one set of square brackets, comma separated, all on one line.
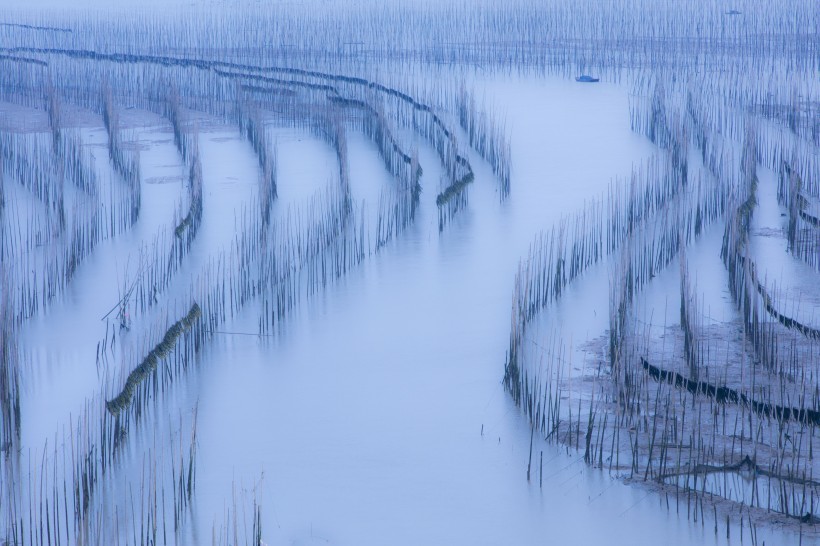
[(149, 364)]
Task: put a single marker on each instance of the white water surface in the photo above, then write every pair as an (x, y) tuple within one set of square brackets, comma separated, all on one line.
[(377, 414)]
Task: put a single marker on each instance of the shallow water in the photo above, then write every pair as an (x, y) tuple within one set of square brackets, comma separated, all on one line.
[(377, 415), (362, 423)]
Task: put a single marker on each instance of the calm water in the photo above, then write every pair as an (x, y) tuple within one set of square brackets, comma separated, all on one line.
[(377, 414)]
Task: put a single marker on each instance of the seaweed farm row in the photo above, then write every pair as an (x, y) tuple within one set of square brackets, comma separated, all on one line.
[(77, 199), (722, 411)]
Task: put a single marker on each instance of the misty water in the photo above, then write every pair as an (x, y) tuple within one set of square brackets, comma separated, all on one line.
[(376, 414), (374, 410)]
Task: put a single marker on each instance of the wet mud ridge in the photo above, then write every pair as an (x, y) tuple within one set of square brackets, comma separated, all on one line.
[(726, 395)]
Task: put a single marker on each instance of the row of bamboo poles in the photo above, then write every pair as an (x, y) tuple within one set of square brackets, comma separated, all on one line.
[(705, 418), (301, 252)]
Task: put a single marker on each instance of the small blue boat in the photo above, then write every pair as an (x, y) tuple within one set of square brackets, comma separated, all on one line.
[(587, 79)]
